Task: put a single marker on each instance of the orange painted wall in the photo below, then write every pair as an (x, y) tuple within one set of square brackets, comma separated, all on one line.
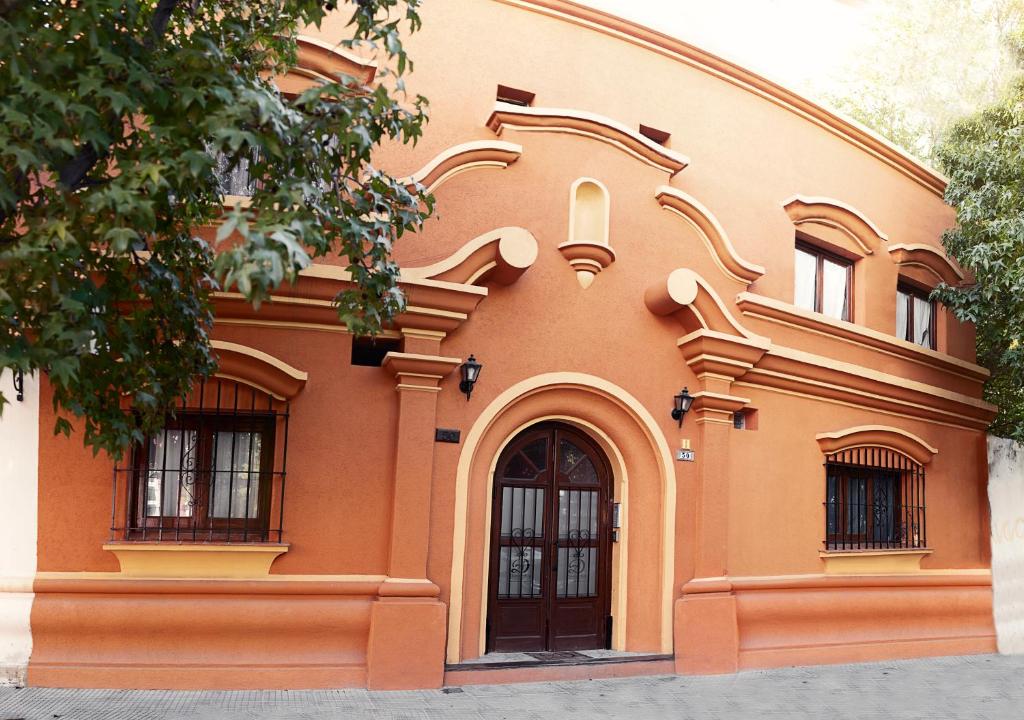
[(747, 154)]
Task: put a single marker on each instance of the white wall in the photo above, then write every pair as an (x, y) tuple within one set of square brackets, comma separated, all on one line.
[(1006, 498), (19, 482)]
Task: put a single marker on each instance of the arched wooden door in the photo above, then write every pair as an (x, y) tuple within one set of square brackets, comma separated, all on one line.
[(550, 564)]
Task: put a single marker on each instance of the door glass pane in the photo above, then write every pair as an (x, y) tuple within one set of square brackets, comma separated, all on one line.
[(806, 280), (901, 314), (575, 464), (577, 540), (529, 462), (856, 506), (235, 488), (519, 572), (922, 322), (522, 512), (171, 474), (834, 290)]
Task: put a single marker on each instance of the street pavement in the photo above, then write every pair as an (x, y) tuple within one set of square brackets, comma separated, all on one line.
[(982, 686)]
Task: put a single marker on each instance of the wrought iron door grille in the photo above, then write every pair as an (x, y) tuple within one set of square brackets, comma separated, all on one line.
[(214, 473), (874, 499)]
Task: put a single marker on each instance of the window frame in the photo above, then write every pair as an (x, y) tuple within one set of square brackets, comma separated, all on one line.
[(200, 524), (820, 254), (866, 540), (912, 291)]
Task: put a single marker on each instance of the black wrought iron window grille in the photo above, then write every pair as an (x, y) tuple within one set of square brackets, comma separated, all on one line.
[(215, 473), (874, 499)]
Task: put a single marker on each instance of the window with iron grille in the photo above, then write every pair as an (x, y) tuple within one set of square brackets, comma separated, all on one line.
[(874, 499), (214, 473)]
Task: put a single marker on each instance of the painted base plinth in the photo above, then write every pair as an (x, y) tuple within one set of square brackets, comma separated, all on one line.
[(812, 620), (406, 645), (706, 634), (165, 640)]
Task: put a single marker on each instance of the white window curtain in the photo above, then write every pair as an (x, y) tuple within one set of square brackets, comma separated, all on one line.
[(236, 482), (922, 322), (902, 301), (170, 483), (806, 280), (834, 290)]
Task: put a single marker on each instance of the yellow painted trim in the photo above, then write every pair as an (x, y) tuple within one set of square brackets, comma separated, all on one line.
[(620, 550), (853, 437), (507, 116), (282, 325), (844, 403), (897, 348), (649, 426), (472, 155), (198, 560), (706, 225), (873, 562)]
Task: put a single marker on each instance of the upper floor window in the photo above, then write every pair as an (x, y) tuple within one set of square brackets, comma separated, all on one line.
[(823, 282), (915, 316), (214, 472), (874, 499)]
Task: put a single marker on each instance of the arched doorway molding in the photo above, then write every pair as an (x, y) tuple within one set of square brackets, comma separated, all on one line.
[(638, 453)]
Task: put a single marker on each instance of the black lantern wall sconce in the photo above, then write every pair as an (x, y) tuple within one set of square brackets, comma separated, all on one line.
[(683, 401), (470, 372)]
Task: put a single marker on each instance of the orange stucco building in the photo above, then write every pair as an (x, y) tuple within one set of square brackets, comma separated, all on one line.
[(619, 216)]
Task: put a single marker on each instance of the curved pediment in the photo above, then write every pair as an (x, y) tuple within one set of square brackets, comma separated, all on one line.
[(901, 441), (460, 158), (927, 257), (507, 116), (501, 255), (258, 369), (834, 214), (325, 61), (711, 231)]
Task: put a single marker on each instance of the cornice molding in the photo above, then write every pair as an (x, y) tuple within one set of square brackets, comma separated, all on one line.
[(661, 44), (457, 159), (324, 61), (507, 116), (711, 231), (885, 436), (929, 258), (501, 255), (766, 308), (258, 369), (835, 214)]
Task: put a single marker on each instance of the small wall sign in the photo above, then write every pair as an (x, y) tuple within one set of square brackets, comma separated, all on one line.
[(447, 435), (685, 454)]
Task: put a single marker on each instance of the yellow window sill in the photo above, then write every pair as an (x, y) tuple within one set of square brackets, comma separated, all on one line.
[(873, 562), (195, 560)]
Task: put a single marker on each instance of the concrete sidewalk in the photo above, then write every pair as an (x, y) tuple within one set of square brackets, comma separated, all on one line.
[(985, 686)]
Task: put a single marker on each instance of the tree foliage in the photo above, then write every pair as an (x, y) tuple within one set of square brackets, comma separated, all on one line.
[(926, 65), (984, 158), (113, 115)]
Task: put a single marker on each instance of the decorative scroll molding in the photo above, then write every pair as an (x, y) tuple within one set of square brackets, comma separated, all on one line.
[(783, 313), (927, 257), (419, 372), (259, 369), (501, 255), (688, 297), (323, 61), (711, 231), (835, 214), (901, 441), (850, 131), (598, 127), (460, 158)]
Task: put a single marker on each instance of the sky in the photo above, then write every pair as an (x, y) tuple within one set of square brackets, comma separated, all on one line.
[(794, 42)]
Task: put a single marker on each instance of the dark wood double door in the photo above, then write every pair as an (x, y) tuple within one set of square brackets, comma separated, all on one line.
[(550, 564)]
